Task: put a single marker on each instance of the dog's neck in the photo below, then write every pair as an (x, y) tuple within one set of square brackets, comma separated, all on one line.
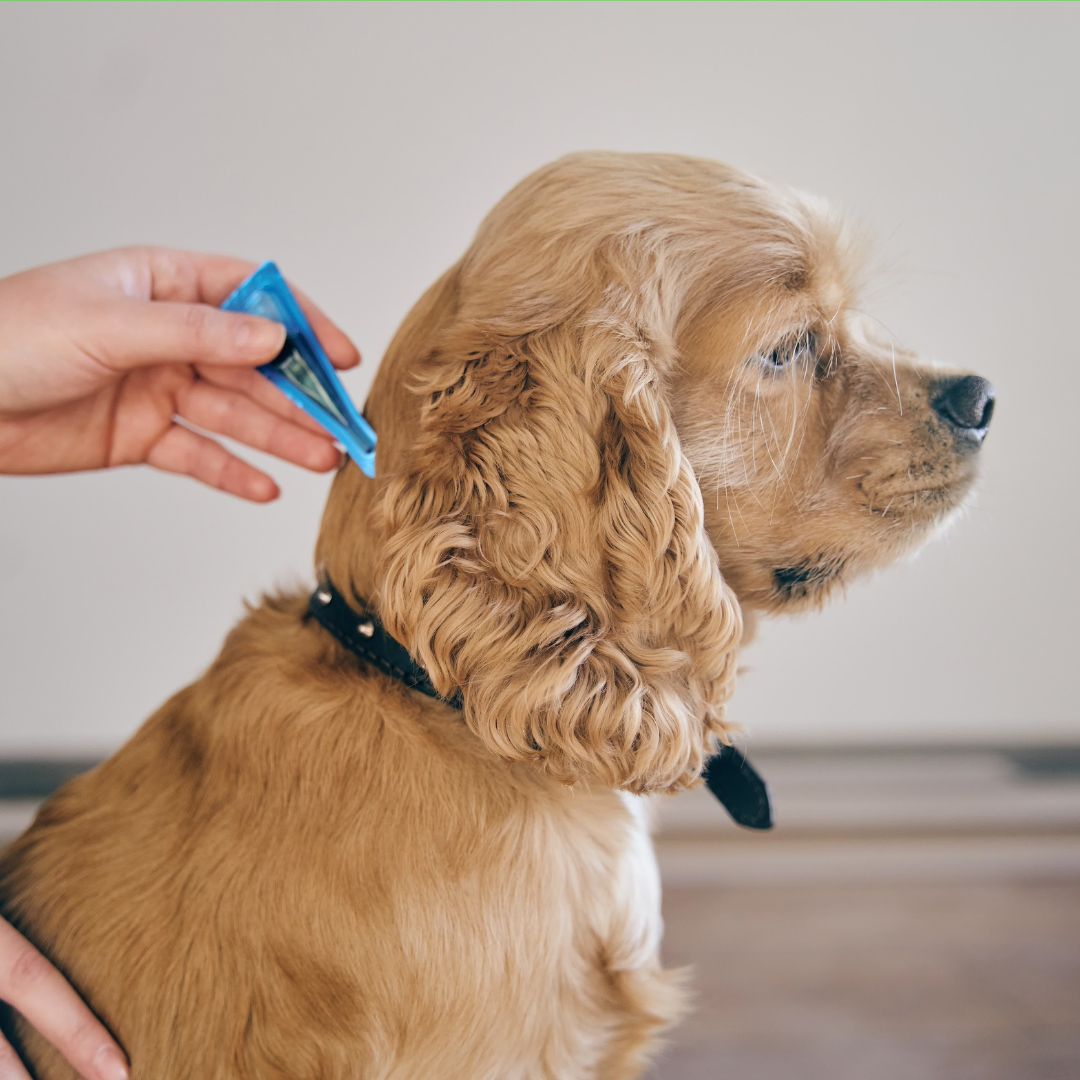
[(350, 539)]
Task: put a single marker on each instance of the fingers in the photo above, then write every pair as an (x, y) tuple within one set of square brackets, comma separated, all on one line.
[(189, 454), (192, 278), (30, 984), (11, 1068), (227, 412), (189, 277), (261, 390), (130, 334)]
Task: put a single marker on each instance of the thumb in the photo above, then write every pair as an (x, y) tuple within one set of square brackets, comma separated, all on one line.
[(139, 333)]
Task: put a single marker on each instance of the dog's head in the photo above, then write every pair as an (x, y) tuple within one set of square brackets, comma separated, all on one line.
[(644, 398)]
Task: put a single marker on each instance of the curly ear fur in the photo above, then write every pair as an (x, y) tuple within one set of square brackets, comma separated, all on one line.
[(545, 554)]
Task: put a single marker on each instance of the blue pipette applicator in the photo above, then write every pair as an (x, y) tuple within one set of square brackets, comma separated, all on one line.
[(302, 371)]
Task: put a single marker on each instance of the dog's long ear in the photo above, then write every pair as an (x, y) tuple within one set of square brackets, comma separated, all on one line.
[(545, 555)]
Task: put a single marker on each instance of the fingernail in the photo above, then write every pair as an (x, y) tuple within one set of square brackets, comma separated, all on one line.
[(109, 1064), (259, 337)]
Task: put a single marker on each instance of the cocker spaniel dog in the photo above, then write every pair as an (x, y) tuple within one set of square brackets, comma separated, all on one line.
[(641, 404)]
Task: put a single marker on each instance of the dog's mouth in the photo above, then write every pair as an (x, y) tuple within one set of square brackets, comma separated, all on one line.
[(908, 510), (918, 504), (919, 494)]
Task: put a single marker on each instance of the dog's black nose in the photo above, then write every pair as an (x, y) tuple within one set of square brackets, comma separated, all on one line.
[(966, 405)]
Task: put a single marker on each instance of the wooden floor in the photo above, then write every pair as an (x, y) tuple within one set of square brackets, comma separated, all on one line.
[(957, 981), (912, 918)]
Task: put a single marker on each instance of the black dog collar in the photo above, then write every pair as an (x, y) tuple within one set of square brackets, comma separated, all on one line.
[(728, 775)]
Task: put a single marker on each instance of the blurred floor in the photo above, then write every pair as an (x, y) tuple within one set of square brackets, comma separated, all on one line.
[(878, 982), (915, 915)]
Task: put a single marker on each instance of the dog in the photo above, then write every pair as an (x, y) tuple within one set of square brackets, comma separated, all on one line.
[(640, 407)]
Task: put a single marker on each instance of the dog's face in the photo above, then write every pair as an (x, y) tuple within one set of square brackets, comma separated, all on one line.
[(642, 400), (821, 448)]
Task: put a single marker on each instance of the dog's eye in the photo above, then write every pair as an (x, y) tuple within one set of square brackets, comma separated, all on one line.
[(792, 351)]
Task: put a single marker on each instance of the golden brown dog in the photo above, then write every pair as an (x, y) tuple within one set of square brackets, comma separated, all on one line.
[(641, 402)]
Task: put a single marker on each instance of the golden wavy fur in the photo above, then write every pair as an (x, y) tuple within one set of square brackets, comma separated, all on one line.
[(641, 402)]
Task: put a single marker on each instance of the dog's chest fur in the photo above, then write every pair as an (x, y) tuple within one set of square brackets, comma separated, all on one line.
[(290, 875)]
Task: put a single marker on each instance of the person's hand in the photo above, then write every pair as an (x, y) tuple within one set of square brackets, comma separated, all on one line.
[(103, 359), (30, 984)]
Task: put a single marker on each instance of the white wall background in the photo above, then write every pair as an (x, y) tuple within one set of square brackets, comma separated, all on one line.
[(360, 146)]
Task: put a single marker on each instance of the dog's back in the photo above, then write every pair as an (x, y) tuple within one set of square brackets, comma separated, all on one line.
[(299, 869)]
